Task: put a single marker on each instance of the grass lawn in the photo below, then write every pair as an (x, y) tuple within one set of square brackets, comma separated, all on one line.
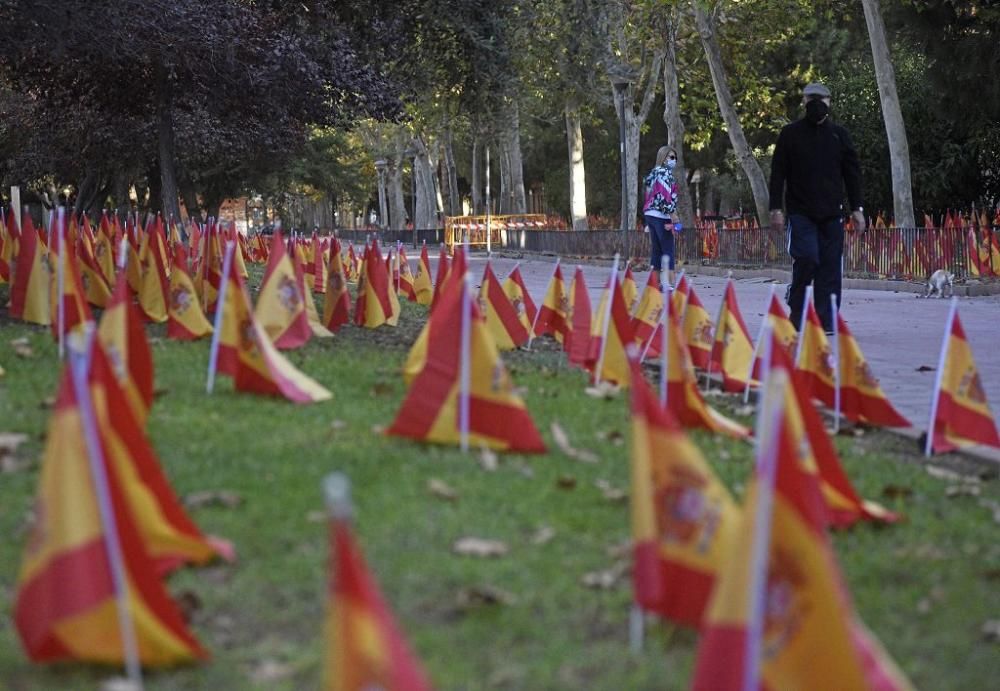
[(925, 587)]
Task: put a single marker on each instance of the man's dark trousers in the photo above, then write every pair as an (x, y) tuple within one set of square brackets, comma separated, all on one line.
[(817, 250)]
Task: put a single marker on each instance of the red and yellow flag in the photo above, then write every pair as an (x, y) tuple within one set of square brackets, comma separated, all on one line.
[(554, 314), (96, 285), (30, 272), (154, 288), (783, 330), (780, 616), (732, 350), (365, 648), (312, 314), (248, 356), (861, 397), (104, 247), (377, 303), (497, 415), (684, 400), (520, 298), (423, 290), (405, 275), (76, 311), (443, 269), (336, 299), (960, 413), (8, 245), (502, 319), (185, 320), (319, 265), (123, 336), (683, 517), (646, 317), (613, 338), (65, 607), (577, 341), (281, 308), (697, 327), (680, 294), (815, 357), (630, 290)]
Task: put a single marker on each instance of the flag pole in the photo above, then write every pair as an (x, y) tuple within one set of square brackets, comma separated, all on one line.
[(756, 346), (666, 326), (677, 282), (79, 361), (802, 324), (220, 305), (836, 363), (607, 319), (465, 373), (936, 393), (534, 322), (715, 332), (61, 279)]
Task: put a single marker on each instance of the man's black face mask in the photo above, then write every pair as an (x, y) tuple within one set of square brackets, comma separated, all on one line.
[(816, 110)]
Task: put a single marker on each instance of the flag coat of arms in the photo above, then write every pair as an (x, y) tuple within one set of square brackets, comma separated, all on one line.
[(502, 318), (520, 298), (422, 288), (281, 308), (185, 320), (861, 397), (29, 285), (697, 327), (554, 314), (732, 350), (123, 337)]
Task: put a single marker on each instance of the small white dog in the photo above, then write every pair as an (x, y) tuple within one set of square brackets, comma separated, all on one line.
[(937, 283)]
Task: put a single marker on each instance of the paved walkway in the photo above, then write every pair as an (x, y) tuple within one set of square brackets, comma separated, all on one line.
[(898, 332)]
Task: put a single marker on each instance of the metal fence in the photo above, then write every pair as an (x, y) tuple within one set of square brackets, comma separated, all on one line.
[(883, 253)]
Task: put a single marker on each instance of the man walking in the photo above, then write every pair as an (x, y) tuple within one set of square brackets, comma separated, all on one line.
[(814, 160)]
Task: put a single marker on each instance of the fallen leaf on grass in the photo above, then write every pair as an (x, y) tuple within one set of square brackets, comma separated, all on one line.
[(46, 402), (163, 391), (271, 670), (965, 490), (610, 492), (561, 439), (9, 441), (945, 474), (380, 388), (566, 482), (337, 425), (604, 390), (543, 535), (316, 517), (896, 491), (619, 550), (482, 596), (488, 460), (612, 435), (925, 368), (605, 579), (223, 498), (441, 489), (991, 630), (479, 547), (22, 347), (378, 429)]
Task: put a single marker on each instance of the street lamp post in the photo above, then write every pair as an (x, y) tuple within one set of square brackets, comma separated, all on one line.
[(622, 75), (380, 166)]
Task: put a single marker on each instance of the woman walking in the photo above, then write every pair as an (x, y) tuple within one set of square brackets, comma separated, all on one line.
[(659, 209)]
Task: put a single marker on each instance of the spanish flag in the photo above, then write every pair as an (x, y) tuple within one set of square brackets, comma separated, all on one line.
[(517, 293), (647, 316), (318, 266), (336, 299), (96, 285), (611, 333), (153, 284), (683, 517), (281, 308), (784, 331), (8, 245), (960, 413), (76, 311), (815, 356), (502, 318), (29, 285), (312, 314), (423, 290), (680, 294), (861, 397), (577, 342), (845, 507), (104, 247), (405, 275), (780, 616), (123, 336), (185, 320), (352, 268), (432, 409), (364, 647), (377, 303), (732, 349), (66, 606), (554, 314), (443, 269), (684, 400), (697, 327), (245, 351), (630, 291)]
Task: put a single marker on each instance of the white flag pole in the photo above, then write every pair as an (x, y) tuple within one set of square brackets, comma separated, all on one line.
[(836, 364), (61, 279), (938, 377), (756, 346), (802, 324), (538, 311), (220, 306), (665, 336), (79, 367), (465, 370), (607, 320)]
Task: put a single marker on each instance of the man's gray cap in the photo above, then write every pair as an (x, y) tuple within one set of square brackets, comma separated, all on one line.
[(816, 89)]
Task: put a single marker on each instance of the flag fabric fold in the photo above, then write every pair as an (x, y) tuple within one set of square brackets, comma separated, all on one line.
[(185, 320), (732, 349)]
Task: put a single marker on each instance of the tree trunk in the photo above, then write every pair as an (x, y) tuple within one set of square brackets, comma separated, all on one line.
[(895, 128), (751, 168), (675, 125), (477, 180), (167, 155), (120, 191), (85, 191), (425, 205), (577, 173), (394, 181), (150, 200), (190, 198), (451, 173), (505, 186), (516, 201)]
